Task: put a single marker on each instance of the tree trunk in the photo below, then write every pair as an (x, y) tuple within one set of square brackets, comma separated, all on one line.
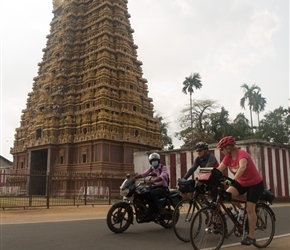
[(251, 116), (191, 122)]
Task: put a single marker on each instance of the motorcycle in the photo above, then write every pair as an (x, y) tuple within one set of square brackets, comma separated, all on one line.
[(136, 201)]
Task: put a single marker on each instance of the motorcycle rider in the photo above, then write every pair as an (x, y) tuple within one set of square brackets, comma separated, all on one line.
[(159, 183)]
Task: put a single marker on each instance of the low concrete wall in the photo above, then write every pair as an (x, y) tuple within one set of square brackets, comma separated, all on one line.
[(271, 159)]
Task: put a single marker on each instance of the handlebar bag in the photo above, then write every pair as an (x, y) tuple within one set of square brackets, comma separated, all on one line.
[(186, 186), (210, 178)]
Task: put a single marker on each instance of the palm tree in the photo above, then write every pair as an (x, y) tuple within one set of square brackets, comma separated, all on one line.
[(249, 95), (258, 104), (191, 82)]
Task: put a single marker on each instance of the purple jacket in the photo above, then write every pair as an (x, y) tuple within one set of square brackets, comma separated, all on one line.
[(161, 171)]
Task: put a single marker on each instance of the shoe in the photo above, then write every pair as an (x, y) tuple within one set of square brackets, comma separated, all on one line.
[(248, 241)]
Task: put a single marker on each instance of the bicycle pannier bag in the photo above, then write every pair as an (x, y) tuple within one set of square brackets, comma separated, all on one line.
[(210, 178)]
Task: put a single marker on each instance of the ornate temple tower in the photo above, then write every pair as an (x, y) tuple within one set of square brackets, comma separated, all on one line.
[(89, 109)]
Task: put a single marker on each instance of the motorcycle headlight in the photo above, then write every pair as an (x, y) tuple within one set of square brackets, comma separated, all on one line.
[(124, 192)]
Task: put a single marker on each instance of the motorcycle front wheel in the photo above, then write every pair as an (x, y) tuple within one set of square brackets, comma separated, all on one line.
[(119, 217)]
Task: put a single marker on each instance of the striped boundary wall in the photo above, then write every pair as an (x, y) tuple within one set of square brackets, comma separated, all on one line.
[(271, 159)]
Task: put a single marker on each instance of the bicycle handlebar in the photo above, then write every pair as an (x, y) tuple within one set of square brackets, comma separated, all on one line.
[(227, 179)]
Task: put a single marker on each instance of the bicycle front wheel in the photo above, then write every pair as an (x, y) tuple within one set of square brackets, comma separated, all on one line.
[(265, 226), (182, 217), (207, 229)]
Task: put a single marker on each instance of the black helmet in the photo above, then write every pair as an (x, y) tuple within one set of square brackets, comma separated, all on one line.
[(154, 156), (201, 144)]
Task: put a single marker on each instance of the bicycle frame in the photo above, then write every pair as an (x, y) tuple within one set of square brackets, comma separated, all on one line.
[(220, 204)]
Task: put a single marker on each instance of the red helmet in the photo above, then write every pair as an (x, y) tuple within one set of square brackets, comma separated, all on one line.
[(228, 140)]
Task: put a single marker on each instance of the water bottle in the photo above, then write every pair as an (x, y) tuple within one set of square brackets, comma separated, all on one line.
[(241, 214), (233, 212)]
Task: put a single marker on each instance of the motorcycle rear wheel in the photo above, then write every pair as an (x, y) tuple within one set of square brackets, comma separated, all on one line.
[(166, 219), (119, 217)]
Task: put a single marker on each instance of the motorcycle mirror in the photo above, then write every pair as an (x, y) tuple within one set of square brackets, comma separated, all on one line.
[(152, 174)]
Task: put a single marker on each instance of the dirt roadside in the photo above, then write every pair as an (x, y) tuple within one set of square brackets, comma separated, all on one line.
[(58, 213)]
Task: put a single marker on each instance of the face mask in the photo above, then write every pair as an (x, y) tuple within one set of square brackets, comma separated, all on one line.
[(155, 164)]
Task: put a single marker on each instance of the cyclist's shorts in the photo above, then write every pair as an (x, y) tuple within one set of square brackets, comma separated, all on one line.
[(253, 192)]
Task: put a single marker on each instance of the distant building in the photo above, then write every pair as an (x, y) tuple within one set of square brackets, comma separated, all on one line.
[(89, 109), (5, 168)]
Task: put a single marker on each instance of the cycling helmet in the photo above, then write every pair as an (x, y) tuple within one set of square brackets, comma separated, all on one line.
[(201, 144), (154, 156), (228, 140)]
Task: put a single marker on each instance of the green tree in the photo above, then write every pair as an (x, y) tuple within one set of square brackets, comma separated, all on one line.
[(259, 104), (249, 96), (189, 84), (167, 141), (241, 127), (198, 130), (275, 127), (220, 124)]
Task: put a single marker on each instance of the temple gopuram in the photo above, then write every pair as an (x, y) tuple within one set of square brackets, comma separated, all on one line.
[(89, 109)]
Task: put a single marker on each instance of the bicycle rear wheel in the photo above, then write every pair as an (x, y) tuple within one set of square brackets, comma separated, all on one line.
[(265, 227), (207, 229), (182, 217)]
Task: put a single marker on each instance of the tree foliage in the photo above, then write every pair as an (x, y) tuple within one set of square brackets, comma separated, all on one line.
[(241, 129), (167, 141), (201, 120), (275, 127), (259, 103), (220, 124), (215, 125)]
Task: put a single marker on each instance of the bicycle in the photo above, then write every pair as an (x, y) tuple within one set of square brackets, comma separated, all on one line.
[(208, 228), (185, 209)]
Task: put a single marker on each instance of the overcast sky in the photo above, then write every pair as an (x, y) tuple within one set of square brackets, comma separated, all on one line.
[(229, 42)]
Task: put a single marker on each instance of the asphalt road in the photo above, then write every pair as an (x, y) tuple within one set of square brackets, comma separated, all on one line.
[(94, 234)]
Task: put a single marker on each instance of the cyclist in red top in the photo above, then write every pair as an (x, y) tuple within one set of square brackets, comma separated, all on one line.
[(247, 179)]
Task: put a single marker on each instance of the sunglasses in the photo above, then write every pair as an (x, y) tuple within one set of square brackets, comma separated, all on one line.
[(199, 150)]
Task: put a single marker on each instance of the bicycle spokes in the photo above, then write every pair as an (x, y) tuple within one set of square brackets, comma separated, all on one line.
[(208, 229), (265, 226)]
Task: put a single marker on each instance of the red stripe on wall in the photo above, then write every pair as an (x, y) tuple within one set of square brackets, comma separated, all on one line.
[(172, 170), (192, 158), (162, 160), (263, 167), (269, 153), (285, 172), (183, 166), (278, 172)]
